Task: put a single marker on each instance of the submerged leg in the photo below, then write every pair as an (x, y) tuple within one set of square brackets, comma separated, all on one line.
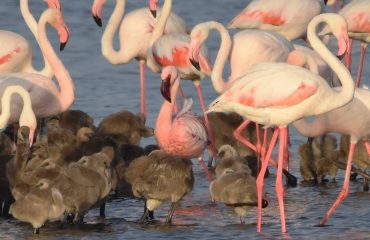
[(344, 193), (144, 217), (142, 86), (102, 210), (279, 177), (261, 176), (170, 212)]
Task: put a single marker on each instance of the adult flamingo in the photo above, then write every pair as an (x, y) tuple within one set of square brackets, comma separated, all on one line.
[(357, 113), (46, 98), (134, 34), (357, 14), (16, 52), (284, 16), (276, 94), (26, 117), (184, 133), (267, 47)]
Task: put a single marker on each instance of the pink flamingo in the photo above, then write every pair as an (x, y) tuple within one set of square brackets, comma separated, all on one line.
[(357, 14), (184, 133), (172, 50), (276, 94), (135, 31), (267, 47), (46, 98), (27, 116), (283, 16), (15, 51), (357, 113)]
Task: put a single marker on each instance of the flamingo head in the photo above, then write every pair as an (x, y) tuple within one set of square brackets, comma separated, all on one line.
[(169, 75), (337, 25), (196, 52), (57, 21), (54, 4), (28, 119), (153, 5), (96, 10)]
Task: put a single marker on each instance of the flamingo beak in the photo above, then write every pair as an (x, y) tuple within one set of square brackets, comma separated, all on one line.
[(97, 20), (154, 13), (166, 89), (195, 64), (64, 38), (326, 2)]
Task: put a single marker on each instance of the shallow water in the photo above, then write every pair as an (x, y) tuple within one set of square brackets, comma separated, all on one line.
[(102, 88)]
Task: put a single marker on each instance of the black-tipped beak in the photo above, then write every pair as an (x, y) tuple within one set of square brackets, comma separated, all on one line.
[(195, 64), (97, 20), (62, 46), (154, 13), (265, 203), (326, 2), (166, 90), (340, 57)]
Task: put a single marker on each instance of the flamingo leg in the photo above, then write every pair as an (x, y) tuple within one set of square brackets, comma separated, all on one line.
[(261, 176), (182, 94), (344, 193), (240, 138), (279, 177), (361, 63), (142, 86), (263, 148), (367, 146), (348, 59), (208, 126)]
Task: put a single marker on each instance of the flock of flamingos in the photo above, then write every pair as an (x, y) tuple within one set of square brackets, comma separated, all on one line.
[(61, 168)]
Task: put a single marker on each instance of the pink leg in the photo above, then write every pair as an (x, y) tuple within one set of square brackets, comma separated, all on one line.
[(361, 63), (182, 94), (208, 126), (261, 176), (279, 177), (344, 193), (367, 146), (348, 59), (142, 86), (240, 138)]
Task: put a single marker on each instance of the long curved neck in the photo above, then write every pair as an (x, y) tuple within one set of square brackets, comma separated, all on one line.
[(161, 23), (5, 103), (32, 25), (218, 82), (165, 117), (346, 94), (113, 24), (66, 93), (310, 128)]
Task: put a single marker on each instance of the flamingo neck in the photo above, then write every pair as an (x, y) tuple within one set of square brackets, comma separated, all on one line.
[(32, 25), (165, 117), (161, 24), (66, 93), (112, 26), (218, 82), (346, 94), (26, 111)]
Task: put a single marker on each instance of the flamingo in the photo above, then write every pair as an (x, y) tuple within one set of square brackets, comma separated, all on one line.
[(27, 116), (276, 94), (135, 31), (16, 52), (184, 133), (357, 15), (284, 16), (357, 113), (46, 98), (267, 47)]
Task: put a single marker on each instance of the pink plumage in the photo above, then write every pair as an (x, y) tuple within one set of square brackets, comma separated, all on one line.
[(182, 134), (284, 16)]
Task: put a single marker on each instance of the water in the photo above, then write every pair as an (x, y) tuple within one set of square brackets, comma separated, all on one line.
[(102, 89)]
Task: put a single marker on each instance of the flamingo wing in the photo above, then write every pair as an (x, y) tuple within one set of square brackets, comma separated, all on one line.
[(357, 14), (274, 85)]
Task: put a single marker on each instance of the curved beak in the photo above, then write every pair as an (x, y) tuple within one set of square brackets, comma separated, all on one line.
[(153, 7), (97, 20), (64, 36), (154, 13), (326, 2), (166, 89), (195, 63)]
